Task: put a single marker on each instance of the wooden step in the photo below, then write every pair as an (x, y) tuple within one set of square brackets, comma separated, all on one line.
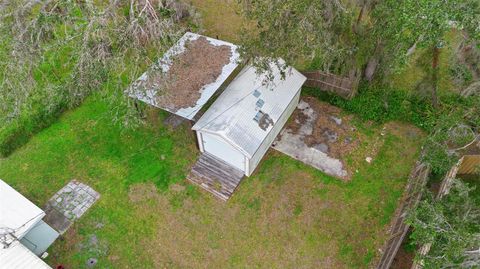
[(215, 176)]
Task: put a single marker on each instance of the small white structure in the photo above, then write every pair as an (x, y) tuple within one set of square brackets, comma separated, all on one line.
[(207, 91), (18, 216), (243, 122), (17, 256)]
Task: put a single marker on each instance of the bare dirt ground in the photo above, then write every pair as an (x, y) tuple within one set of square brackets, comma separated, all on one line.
[(403, 259), (332, 129), (321, 135), (325, 137), (200, 64)]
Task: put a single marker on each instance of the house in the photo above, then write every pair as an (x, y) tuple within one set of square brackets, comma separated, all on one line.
[(244, 120), (23, 234)]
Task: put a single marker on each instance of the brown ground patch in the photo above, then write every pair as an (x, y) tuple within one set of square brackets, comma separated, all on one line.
[(142, 192), (333, 132), (266, 227), (403, 259), (200, 64), (326, 129), (69, 243)]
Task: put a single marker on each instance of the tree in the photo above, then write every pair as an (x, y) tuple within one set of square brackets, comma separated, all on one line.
[(425, 23), (451, 225), (296, 31), (333, 34), (57, 52), (457, 127)]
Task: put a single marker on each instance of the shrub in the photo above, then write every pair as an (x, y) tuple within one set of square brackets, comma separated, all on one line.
[(383, 104)]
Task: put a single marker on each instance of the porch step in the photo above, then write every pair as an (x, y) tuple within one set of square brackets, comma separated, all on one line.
[(215, 176)]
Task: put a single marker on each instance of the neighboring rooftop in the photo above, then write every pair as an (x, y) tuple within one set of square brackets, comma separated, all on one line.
[(17, 214), (246, 111), (187, 76), (18, 256)]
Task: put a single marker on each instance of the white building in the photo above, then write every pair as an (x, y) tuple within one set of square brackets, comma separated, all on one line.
[(243, 122), (23, 234)]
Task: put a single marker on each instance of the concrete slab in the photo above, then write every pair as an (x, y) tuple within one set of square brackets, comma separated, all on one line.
[(69, 204), (292, 143)]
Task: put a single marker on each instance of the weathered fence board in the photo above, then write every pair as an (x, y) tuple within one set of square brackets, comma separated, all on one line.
[(411, 197), (345, 87), (470, 165)]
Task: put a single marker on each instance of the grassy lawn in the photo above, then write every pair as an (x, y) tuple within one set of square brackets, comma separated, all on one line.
[(416, 69), (220, 18), (285, 216)]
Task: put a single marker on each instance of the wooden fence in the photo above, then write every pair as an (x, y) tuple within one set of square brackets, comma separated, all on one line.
[(345, 87), (411, 197), (470, 165)]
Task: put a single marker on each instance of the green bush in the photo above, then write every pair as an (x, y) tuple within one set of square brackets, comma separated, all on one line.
[(382, 105)]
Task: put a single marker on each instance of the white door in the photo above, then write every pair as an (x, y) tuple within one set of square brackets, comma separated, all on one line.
[(216, 146)]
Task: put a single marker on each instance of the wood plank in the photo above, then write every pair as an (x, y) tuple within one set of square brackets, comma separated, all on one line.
[(412, 194), (215, 176)]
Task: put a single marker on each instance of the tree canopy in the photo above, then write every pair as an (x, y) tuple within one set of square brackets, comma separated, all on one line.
[(296, 31), (341, 35), (451, 225)]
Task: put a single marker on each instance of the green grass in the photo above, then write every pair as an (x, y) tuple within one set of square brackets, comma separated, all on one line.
[(419, 65), (286, 214), (84, 145), (220, 18)]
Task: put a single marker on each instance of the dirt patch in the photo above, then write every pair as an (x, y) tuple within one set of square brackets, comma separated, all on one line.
[(198, 65), (403, 259), (68, 242), (142, 192), (332, 129), (320, 135)]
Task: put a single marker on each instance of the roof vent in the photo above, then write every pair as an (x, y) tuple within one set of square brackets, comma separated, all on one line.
[(258, 116), (260, 103)]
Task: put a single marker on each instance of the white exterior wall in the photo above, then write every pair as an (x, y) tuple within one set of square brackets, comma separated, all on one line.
[(267, 142), (220, 148)]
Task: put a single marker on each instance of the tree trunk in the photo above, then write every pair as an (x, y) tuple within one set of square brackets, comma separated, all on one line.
[(435, 59), (356, 25), (373, 62)]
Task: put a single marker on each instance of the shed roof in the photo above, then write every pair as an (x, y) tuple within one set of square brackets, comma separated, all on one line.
[(17, 214), (247, 103), (19, 257), (149, 94)]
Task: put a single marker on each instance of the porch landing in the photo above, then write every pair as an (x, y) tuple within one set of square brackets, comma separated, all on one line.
[(215, 176)]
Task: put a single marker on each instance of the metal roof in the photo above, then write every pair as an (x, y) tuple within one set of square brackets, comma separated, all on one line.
[(149, 95), (17, 256), (17, 214), (246, 111)]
